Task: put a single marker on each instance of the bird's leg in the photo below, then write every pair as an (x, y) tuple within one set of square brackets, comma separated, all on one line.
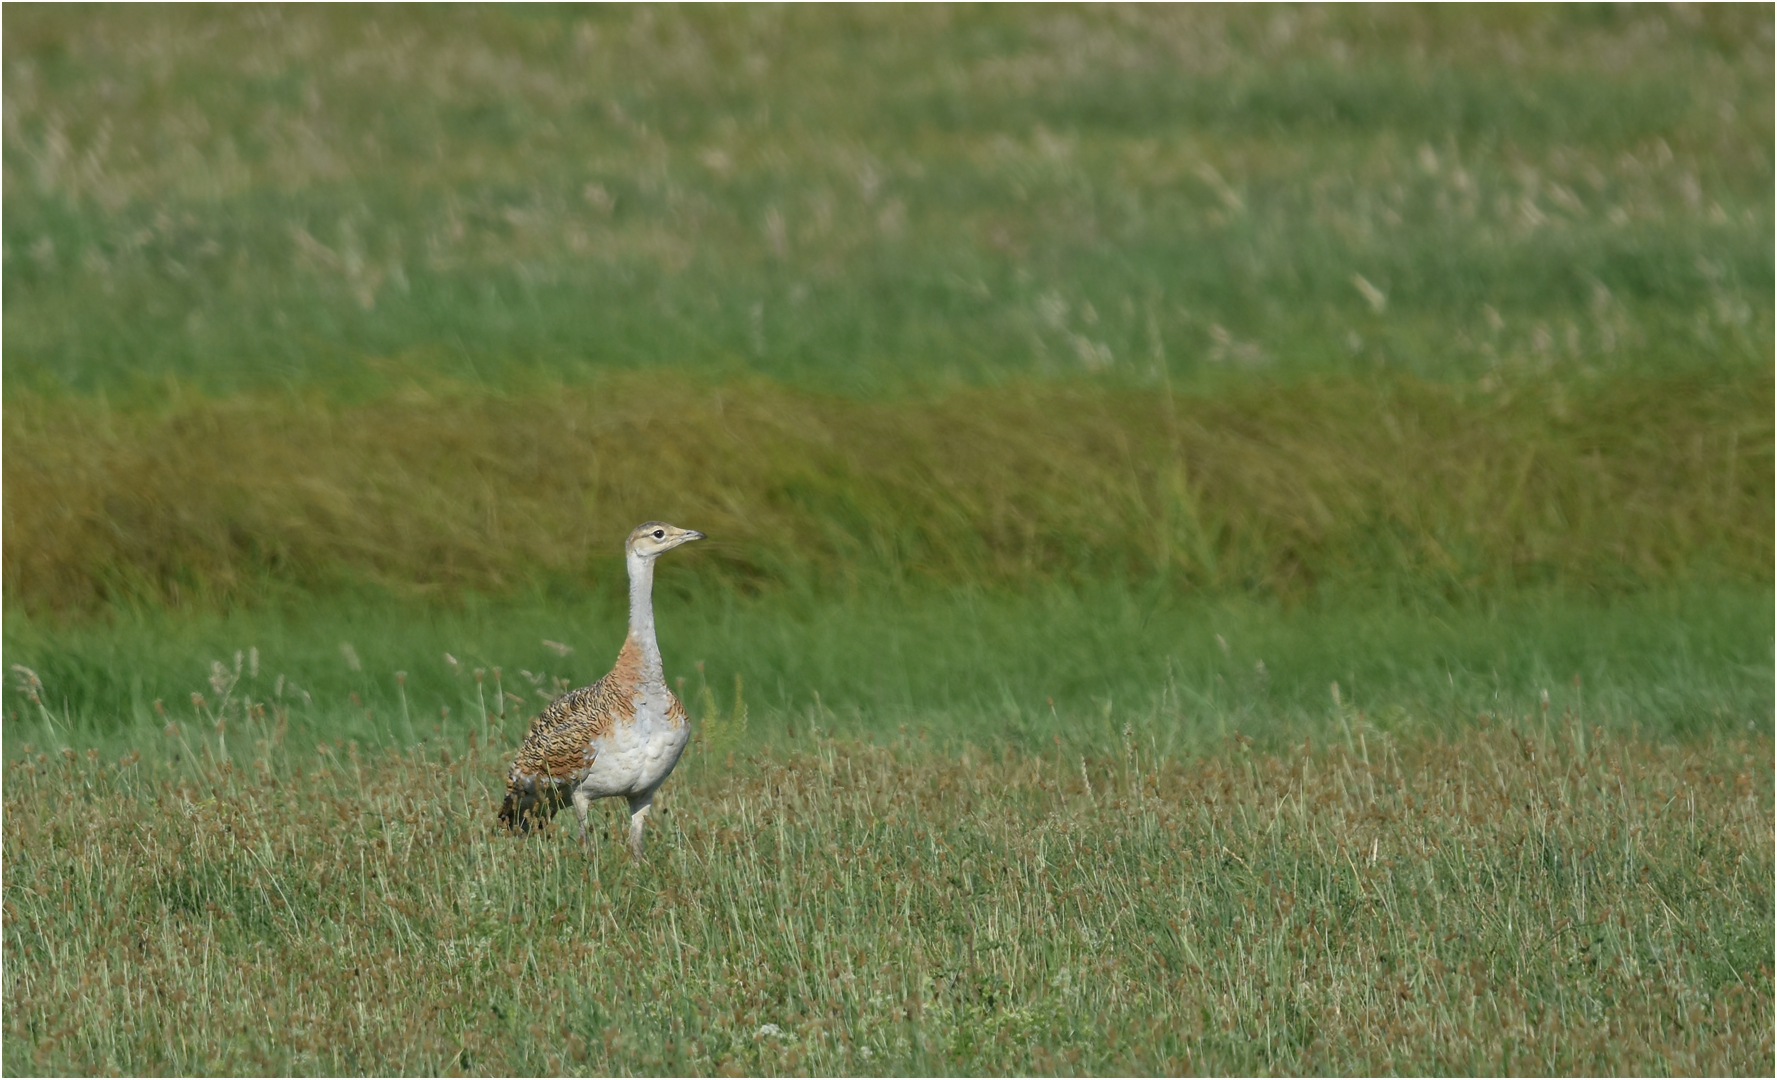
[(582, 803), (638, 818)]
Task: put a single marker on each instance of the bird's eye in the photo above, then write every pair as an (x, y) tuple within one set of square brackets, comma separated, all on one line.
[(660, 534)]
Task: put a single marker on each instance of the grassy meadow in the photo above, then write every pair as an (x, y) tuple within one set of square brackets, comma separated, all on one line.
[(1503, 902), (1241, 539)]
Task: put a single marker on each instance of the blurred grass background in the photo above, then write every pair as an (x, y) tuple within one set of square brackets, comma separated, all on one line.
[(880, 199), (319, 316)]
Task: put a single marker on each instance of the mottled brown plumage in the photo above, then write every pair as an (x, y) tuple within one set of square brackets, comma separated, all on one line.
[(620, 736)]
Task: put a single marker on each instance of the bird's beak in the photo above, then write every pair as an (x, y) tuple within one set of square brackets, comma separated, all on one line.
[(690, 535)]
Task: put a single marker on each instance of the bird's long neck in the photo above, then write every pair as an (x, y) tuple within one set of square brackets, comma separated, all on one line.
[(641, 618)]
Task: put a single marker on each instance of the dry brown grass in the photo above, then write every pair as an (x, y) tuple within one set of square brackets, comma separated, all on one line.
[(1274, 489)]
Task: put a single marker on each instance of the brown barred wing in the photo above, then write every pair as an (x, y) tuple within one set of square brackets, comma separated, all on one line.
[(559, 743)]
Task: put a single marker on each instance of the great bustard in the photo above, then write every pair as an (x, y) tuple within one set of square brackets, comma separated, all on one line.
[(620, 736)]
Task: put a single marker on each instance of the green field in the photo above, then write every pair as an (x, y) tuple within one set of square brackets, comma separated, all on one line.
[(1241, 539)]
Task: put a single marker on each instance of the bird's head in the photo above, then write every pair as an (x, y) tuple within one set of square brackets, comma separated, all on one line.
[(655, 538)]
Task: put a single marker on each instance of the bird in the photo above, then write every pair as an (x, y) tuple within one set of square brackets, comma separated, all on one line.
[(620, 736)]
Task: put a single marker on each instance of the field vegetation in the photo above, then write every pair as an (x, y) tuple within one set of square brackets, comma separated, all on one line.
[(1241, 539), (1513, 901), (1261, 490)]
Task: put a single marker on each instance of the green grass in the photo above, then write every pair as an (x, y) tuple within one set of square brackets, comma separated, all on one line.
[(873, 202), (1241, 538), (978, 668), (971, 297), (321, 298), (1505, 902)]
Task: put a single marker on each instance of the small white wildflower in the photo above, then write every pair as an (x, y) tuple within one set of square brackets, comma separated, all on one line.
[(771, 1030)]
